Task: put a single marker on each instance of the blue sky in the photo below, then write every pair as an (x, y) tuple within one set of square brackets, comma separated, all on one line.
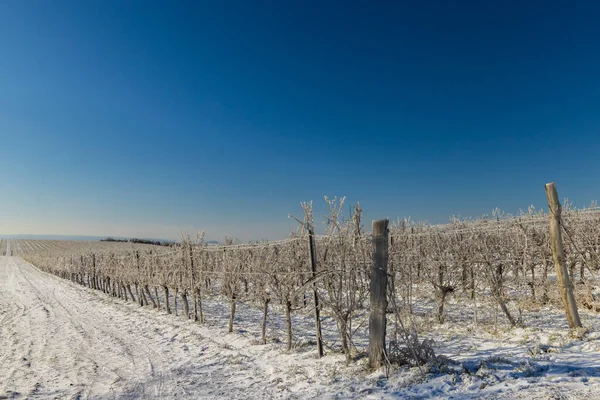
[(145, 118)]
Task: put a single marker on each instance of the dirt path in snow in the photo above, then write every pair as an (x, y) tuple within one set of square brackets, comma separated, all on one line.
[(59, 340)]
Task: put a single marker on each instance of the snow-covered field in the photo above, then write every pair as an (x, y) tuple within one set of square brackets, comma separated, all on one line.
[(61, 340)]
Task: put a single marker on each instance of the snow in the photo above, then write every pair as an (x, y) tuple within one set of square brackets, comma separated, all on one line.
[(61, 340)]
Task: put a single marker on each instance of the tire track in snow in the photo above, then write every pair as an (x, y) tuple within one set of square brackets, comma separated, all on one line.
[(81, 343), (54, 342)]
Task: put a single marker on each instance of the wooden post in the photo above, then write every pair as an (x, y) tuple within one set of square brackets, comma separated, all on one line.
[(232, 313), (167, 306), (175, 301), (288, 323), (94, 271), (377, 318), (264, 321), (558, 256), (193, 287), (186, 306), (313, 266)]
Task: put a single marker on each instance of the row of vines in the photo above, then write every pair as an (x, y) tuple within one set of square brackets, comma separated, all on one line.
[(498, 263)]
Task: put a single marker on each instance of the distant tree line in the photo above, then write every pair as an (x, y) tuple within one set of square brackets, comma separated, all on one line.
[(141, 241)]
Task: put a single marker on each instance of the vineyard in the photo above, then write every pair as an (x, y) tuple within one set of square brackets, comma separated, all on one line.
[(486, 277), (497, 268)]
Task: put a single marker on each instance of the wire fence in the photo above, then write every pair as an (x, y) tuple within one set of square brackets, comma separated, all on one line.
[(500, 263)]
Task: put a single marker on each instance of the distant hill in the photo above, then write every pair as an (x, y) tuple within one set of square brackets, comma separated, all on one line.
[(54, 237), (88, 238), (142, 241)]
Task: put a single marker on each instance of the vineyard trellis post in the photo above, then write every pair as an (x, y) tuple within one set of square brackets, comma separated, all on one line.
[(558, 256), (313, 266), (378, 288)]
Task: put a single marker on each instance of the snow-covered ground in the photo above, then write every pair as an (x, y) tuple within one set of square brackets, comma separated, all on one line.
[(61, 340)]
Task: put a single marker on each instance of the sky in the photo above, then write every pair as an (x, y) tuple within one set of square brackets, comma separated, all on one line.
[(147, 118)]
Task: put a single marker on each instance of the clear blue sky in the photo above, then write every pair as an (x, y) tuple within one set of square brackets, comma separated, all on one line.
[(143, 118)]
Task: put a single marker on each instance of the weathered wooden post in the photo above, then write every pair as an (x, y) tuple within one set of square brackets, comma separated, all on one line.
[(193, 288), (313, 266), (377, 318), (558, 256), (167, 305)]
